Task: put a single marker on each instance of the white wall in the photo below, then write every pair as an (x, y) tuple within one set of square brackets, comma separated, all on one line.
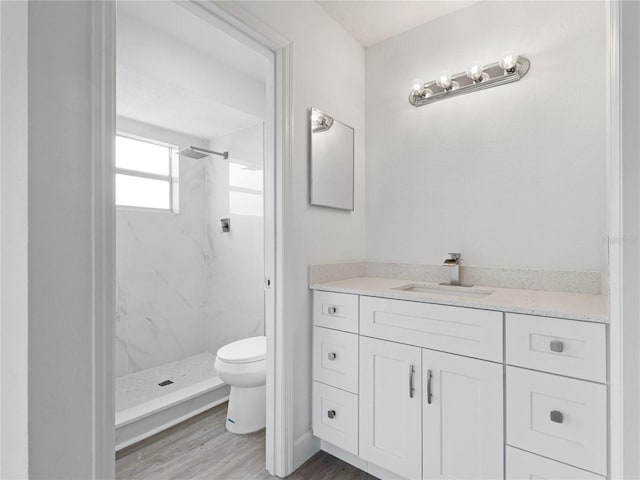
[(511, 176), (328, 72), (235, 280), (61, 310), (161, 268)]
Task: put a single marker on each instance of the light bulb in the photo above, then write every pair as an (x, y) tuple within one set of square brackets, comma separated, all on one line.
[(509, 62), (474, 72), (417, 87), (444, 81)]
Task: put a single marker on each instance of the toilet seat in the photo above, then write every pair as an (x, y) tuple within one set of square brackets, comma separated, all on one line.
[(247, 350)]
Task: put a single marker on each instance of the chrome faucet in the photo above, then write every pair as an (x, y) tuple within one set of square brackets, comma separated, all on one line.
[(453, 262)]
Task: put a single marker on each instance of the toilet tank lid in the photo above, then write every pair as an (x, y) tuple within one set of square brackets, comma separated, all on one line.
[(247, 350)]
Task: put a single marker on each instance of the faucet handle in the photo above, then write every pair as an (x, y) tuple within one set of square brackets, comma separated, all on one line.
[(455, 256)]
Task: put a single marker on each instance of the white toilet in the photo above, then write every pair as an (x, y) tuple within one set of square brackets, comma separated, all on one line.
[(243, 366)]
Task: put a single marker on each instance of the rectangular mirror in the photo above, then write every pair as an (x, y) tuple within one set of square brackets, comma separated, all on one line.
[(331, 162)]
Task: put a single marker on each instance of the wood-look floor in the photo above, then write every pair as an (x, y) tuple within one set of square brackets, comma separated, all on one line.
[(202, 448)]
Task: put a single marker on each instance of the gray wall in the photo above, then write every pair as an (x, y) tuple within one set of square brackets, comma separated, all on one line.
[(61, 417)]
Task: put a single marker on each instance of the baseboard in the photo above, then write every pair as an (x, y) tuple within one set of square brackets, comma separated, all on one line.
[(354, 460), (343, 455), (304, 447)]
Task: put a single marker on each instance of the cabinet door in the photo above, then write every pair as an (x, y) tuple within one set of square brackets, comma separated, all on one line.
[(463, 417), (390, 406)]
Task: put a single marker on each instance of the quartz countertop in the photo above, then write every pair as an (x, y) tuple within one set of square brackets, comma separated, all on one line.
[(575, 306)]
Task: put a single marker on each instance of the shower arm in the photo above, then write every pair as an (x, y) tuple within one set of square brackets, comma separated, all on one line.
[(224, 155)]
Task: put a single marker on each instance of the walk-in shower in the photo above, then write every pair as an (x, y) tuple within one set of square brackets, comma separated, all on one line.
[(185, 287)]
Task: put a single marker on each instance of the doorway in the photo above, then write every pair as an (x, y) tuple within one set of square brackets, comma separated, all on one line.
[(186, 231)]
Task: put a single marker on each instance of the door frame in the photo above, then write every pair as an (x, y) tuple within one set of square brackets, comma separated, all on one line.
[(277, 174), (616, 464), (14, 269), (623, 20)]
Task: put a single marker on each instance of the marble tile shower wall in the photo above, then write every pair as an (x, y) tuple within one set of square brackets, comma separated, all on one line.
[(182, 286), (235, 279), (161, 277)]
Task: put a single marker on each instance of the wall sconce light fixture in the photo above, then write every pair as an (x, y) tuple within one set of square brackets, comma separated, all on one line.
[(320, 122), (509, 68)]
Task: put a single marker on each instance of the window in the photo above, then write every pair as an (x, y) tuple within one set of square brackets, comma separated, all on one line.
[(146, 174), (245, 190)]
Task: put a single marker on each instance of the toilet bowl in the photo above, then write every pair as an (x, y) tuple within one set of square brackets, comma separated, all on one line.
[(243, 366)]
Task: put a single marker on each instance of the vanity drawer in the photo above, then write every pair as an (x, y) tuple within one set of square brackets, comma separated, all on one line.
[(465, 331), (335, 416), (523, 465), (558, 417), (335, 358), (568, 347), (335, 310)]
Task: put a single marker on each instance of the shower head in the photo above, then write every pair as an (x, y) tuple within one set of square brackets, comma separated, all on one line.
[(187, 152), (198, 153)]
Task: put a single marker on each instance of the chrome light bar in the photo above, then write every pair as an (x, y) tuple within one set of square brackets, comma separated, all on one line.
[(509, 69)]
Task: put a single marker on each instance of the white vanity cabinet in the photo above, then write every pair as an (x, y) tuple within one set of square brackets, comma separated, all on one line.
[(415, 390), (556, 395), (523, 465), (462, 417), (465, 331), (391, 406)]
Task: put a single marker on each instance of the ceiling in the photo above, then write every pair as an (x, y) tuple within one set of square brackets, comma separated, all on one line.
[(164, 104), (156, 87), (199, 34), (373, 21)]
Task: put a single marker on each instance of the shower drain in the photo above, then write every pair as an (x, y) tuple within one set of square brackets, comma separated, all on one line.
[(165, 383)]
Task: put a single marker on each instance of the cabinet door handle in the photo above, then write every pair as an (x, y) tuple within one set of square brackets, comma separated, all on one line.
[(556, 346), (332, 356), (429, 377), (412, 371), (331, 413), (332, 310), (556, 416)]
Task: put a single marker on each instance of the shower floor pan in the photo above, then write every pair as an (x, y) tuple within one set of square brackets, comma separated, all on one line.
[(153, 400)]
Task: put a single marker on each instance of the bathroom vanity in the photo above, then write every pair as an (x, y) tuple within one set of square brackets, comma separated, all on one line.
[(412, 381)]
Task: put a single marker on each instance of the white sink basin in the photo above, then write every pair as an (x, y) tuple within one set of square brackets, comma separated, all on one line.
[(445, 290)]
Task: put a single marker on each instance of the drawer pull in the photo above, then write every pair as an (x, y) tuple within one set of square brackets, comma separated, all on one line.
[(332, 356), (556, 346), (429, 395), (331, 413), (412, 371), (332, 310), (556, 416)]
